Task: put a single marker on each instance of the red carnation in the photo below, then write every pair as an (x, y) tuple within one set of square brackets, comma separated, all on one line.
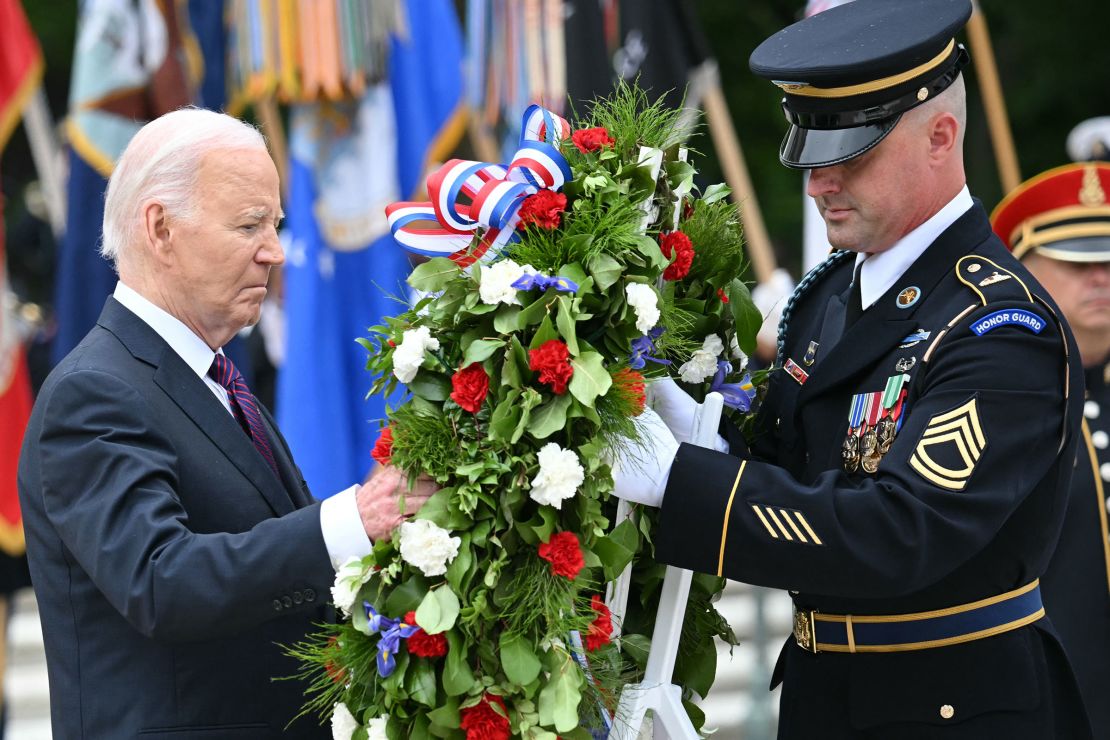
[(383, 448), (486, 720), (591, 139), (563, 553), (544, 209), (722, 295), (552, 359), (678, 244), (687, 209), (470, 387), (601, 629), (630, 385), (427, 646)]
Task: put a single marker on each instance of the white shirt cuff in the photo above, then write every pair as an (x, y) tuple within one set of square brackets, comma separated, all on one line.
[(344, 535)]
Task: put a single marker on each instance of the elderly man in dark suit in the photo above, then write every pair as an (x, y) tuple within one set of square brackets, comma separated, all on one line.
[(173, 544)]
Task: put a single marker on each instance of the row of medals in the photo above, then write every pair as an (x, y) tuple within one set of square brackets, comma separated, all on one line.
[(865, 444)]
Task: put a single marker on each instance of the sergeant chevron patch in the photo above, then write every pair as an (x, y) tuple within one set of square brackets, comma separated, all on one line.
[(950, 447)]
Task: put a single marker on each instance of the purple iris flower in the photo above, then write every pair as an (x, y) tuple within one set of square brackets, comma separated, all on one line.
[(534, 280), (643, 348), (392, 632), (736, 395)]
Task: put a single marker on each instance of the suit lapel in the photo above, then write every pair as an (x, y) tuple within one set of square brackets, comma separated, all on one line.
[(189, 392)]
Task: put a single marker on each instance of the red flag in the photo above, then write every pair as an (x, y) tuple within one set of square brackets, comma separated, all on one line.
[(20, 74), (20, 65)]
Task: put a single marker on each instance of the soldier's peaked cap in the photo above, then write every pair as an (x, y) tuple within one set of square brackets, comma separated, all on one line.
[(850, 72)]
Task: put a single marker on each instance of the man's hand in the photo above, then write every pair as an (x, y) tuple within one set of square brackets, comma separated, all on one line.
[(640, 472), (380, 500)]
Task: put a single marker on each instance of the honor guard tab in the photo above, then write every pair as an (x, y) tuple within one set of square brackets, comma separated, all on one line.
[(850, 72)]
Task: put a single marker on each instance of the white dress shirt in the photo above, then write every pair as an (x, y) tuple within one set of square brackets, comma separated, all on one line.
[(344, 535), (882, 269)]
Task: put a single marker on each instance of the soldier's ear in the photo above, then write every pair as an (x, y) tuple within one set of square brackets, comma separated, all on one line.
[(944, 136)]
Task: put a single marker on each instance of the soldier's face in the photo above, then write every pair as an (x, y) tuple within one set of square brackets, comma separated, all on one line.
[(221, 262), (871, 201), (1082, 289)]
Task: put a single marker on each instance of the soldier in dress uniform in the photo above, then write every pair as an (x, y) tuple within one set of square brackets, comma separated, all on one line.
[(1058, 225), (908, 479)]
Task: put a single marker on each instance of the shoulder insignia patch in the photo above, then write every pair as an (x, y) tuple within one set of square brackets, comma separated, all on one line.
[(950, 447), (990, 281), (1013, 316)]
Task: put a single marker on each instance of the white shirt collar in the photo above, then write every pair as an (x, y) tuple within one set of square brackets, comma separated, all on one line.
[(191, 348), (882, 270)]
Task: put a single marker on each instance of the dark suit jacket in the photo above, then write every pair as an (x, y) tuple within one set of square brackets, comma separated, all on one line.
[(946, 518), (168, 560)]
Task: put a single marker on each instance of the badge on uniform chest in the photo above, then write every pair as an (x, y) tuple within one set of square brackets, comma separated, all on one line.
[(873, 422)]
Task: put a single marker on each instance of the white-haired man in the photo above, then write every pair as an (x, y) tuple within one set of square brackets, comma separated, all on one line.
[(173, 543)]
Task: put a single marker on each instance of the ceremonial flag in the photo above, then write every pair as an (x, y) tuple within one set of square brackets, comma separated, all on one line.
[(20, 74), (343, 272), (129, 66)]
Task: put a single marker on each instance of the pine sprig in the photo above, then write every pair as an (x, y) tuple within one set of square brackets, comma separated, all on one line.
[(633, 120)]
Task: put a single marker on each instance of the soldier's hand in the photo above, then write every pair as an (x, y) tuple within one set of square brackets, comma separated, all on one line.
[(385, 500), (640, 472)]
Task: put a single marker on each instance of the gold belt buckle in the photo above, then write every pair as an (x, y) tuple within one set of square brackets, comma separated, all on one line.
[(804, 633)]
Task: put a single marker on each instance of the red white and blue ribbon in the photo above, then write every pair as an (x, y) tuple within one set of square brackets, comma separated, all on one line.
[(445, 225)]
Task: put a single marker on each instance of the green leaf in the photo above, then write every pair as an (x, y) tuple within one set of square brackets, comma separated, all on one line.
[(714, 193), (605, 270), (507, 320), (420, 682), (404, 598), (747, 317), (574, 272), (534, 312), (441, 511), (446, 716), (558, 701), (648, 247), (617, 549), (438, 611), (545, 333), (637, 647), (518, 660), (459, 568), (433, 274), (506, 417), (457, 677), (430, 386), (481, 349), (590, 378), (550, 417), (696, 664), (679, 172), (565, 319)]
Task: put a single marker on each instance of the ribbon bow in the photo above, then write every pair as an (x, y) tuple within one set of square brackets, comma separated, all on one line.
[(735, 395), (444, 226), (392, 632)]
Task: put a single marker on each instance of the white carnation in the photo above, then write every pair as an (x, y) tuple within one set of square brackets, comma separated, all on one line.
[(703, 364), (348, 580), (409, 355), (375, 729), (343, 723), (428, 547), (559, 477), (497, 282), (645, 303)]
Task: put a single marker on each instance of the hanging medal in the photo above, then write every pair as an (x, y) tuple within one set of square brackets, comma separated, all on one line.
[(849, 452), (869, 444), (892, 409)]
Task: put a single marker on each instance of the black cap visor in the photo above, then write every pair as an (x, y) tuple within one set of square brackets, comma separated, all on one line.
[(806, 148)]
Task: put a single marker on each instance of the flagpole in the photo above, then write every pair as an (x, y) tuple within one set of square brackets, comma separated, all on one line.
[(270, 119), (991, 89), (46, 152), (727, 144)]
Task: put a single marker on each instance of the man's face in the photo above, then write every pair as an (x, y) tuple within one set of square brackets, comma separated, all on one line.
[(869, 202), (222, 262), (1082, 289)]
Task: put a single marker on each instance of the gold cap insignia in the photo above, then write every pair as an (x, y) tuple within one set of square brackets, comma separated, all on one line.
[(1091, 193)]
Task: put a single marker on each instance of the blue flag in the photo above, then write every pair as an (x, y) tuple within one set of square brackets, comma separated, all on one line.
[(343, 272)]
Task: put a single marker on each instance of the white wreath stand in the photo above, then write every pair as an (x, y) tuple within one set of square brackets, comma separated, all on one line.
[(657, 692)]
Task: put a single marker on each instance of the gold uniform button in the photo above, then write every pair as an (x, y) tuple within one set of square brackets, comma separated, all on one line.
[(947, 712)]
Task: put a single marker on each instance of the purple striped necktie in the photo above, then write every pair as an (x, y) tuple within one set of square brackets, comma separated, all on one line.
[(243, 405)]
